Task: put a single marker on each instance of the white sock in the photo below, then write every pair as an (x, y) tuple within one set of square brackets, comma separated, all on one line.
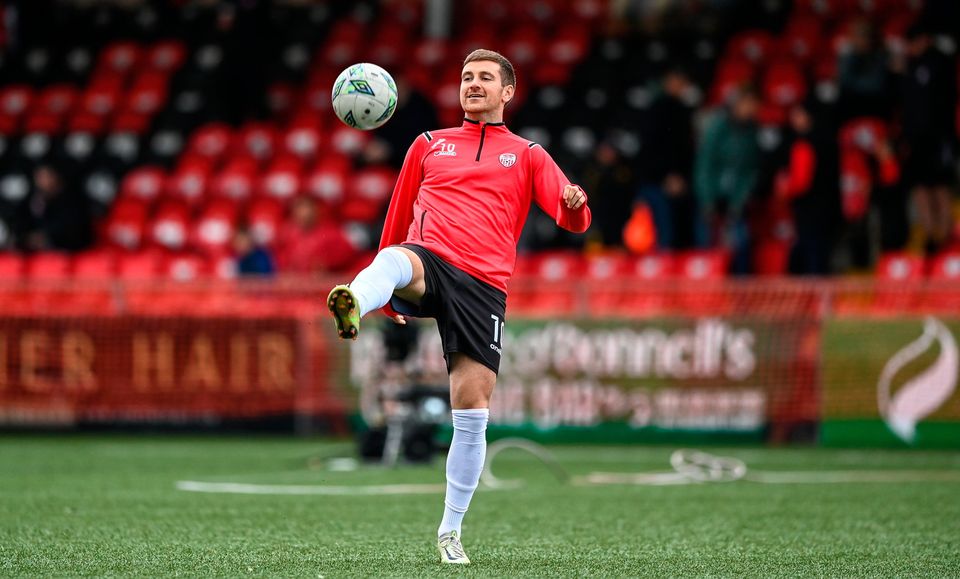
[(374, 286), (464, 463)]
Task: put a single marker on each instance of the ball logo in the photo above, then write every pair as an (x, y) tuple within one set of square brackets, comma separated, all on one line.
[(508, 159), (921, 395)]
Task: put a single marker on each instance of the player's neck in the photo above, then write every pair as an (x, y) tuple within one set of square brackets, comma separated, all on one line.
[(486, 117)]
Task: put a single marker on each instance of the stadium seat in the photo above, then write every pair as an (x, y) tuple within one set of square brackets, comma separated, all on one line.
[(900, 267), (97, 264), (48, 266), (212, 232), (368, 193), (706, 295), (548, 288), (328, 180), (120, 57), (188, 182), (11, 266), (183, 267), (170, 227), (943, 293), (141, 265), (257, 140), (264, 217), (281, 180), (730, 74), (236, 181), (166, 56), (751, 45), (127, 223), (899, 276), (302, 140), (146, 184), (211, 141)]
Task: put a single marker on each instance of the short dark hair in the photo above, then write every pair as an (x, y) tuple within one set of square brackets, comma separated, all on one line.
[(507, 75)]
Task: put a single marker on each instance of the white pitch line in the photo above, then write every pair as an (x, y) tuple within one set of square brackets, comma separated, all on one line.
[(852, 476), (256, 489)]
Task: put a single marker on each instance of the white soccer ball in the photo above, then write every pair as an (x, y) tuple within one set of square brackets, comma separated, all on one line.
[(364, 96)]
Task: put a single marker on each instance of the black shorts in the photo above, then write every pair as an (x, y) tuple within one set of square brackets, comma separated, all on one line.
[(470, 313)]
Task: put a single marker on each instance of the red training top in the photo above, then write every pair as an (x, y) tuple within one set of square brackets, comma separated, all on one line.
[(464, 194)]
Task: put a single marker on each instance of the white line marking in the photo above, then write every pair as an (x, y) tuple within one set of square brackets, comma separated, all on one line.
[(256, 489), (853, 476)]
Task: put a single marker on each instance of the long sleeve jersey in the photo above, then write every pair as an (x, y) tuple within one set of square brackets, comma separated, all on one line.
[(464, 193)]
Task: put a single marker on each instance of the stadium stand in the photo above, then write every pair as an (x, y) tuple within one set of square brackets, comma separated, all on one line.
[(179, 126)]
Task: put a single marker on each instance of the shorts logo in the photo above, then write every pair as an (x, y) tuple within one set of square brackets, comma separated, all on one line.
[(508, 159)]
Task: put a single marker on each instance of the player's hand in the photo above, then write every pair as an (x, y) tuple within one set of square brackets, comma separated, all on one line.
[(574, 197), (398, 319)]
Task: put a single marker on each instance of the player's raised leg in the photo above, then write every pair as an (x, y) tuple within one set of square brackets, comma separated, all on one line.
[(394, 268), (471, 385)]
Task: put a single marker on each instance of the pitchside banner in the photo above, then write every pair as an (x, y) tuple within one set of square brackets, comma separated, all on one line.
[(64, 371), (891, 382), (748, 379)]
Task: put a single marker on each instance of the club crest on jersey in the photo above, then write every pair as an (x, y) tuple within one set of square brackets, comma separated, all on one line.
[(508, 159)]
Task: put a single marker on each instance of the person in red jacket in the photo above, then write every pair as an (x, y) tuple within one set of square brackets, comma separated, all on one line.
[(448, 249)]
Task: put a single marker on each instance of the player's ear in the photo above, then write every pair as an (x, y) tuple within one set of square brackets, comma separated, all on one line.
[(508, 93)]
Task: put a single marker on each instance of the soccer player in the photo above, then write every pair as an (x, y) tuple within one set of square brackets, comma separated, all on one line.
[(448, 248)]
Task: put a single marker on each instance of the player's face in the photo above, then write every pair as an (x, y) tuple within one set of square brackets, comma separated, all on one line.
[(481, 88)]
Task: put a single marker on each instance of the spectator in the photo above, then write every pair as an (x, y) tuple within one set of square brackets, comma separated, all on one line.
[(928, 146), (807, 180), (870, 177), (311, 243), (252, 259), (56, 219), (665, 165), (864, 74), (726, 168), (612, 180)]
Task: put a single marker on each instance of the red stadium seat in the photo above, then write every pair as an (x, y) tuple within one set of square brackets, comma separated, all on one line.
[(145, 183), (281, 180), (49, 266), (302, 140), (183, 267), (943, 295), (96, 264), (15, 100), (328, 180), (188, 182), (730, 74), (900, 266), (142, 265), (236, 181), (11, 266), (212, 232), (899, 274), (751, 45), (126, 226), (258, 140), (347, 141), (368, 193), (211, 141), (120, 57), (147, 96), (946, 266), (166, 56), (548, 288), (784, 84), (170, 227), (707, 268), (264, 217)]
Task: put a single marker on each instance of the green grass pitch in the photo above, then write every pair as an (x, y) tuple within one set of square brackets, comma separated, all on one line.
[(109, 506)]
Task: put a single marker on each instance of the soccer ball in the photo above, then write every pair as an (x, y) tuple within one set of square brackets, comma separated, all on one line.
[(364, 96)]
